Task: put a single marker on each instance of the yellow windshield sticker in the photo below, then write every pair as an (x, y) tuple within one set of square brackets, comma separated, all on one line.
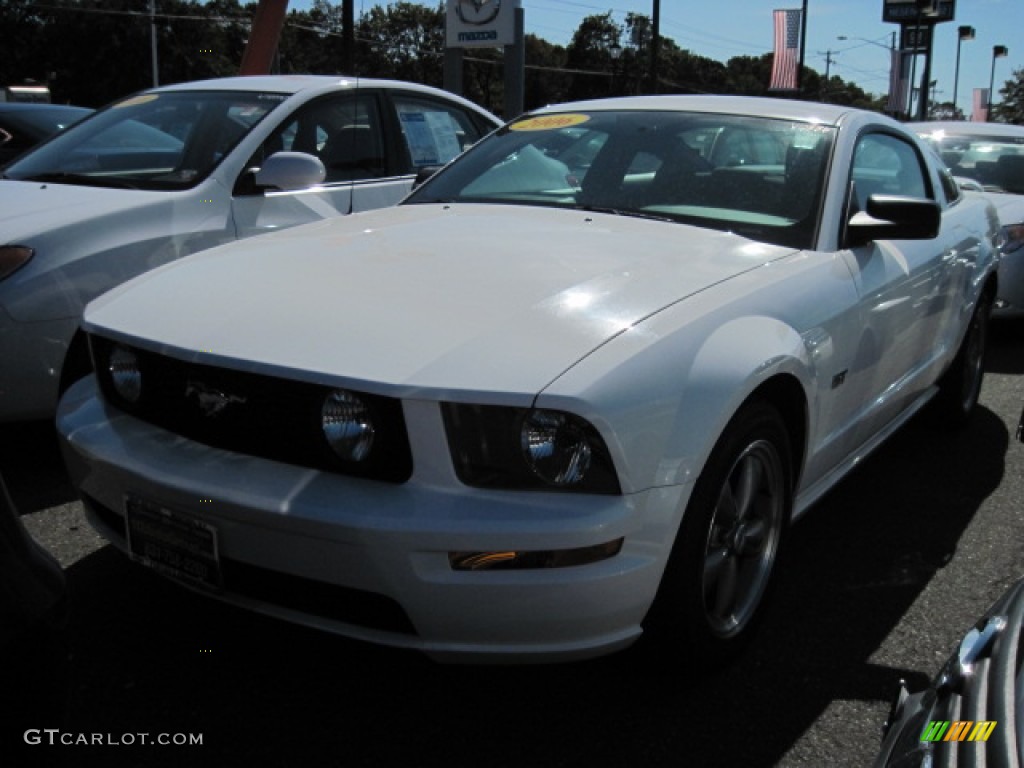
[(548, 122), (135, 101)]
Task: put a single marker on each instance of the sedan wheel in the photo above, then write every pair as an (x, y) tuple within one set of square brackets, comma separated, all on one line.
[(725, 554)]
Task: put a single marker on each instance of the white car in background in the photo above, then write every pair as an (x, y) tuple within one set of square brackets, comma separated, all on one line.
[(575, 386), (178, 169), (990, 157)]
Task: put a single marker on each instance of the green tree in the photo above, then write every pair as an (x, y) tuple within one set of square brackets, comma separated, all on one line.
[(1011, 108), (403, 41), (545, 84), (593, 50)]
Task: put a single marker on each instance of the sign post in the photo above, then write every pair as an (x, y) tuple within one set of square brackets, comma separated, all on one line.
[(917, 20), (487, 24)]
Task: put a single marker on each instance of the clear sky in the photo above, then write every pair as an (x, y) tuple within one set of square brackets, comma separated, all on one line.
[(721, 29)]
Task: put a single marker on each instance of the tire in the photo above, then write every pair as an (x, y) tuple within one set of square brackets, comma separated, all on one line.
[(724, 557), (960, 385), (77, 363)]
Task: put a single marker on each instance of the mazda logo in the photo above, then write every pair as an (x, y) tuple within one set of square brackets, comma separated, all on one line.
[(478, 11)]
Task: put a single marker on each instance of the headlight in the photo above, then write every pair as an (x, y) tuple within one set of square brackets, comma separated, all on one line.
[(348, 425), (13, 258), (125, 376), (556, 447), (527, 448), (1012, 236)]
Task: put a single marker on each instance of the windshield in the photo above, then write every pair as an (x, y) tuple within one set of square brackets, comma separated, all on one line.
[(151, 141), (758, 177), (995, 162)]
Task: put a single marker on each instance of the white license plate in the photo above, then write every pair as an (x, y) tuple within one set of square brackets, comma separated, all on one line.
[(173, 543)]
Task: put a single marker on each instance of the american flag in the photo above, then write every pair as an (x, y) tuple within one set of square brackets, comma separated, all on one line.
[(979, 106), (787, 50), (899, 82)]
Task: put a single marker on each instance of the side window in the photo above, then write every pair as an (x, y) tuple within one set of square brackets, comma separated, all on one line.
[(888, 165), (434, 132), (344, 131)]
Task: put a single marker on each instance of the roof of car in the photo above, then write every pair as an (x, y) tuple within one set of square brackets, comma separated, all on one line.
[(292, 84), (962, 128), (739, 105), (35, 106)]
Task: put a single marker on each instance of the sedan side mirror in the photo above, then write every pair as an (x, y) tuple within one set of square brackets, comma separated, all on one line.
[(290, 171), (425, 173), (892, 217)]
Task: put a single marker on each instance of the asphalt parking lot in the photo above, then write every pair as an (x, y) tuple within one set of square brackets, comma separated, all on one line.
[(879, 582)]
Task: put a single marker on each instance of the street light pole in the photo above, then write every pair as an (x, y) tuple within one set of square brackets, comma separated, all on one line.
[(998, 51), (655, 45), (963, 33), (152, 42)]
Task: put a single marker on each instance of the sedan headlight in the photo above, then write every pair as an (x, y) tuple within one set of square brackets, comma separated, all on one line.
[(1012, 237), (13, 258), (528, 448), (125, 375), (348, 425)]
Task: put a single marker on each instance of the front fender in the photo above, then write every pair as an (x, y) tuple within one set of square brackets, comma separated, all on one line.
[(664, 397)]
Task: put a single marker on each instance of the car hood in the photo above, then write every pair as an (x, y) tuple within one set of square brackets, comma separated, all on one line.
[(31, 208), (495, 301)]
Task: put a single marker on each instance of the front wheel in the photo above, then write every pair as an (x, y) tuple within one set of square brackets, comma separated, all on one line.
[(960, 386), (725, 553)]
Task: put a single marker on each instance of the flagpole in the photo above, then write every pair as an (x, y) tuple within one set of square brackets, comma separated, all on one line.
[(803, 45)]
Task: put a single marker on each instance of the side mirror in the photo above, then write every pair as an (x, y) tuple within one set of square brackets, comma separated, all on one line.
[(425, 173), (968, 184), (892, 217), (290, 171)]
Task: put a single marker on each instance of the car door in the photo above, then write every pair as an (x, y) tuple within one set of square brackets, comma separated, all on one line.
[(372, 143), (346, 132), (904, 287)]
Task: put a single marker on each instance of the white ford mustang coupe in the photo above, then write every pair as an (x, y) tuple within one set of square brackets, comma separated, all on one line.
[(574, 387)]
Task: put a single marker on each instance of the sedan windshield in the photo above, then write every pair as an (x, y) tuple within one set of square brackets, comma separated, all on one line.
[(150, 141), (995, 162), (758, 177)]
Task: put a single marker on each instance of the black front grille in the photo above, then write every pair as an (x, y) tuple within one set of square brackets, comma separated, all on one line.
[(266, 416), (308, 596)]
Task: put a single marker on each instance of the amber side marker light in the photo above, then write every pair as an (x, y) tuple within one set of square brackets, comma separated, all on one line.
[(522, 560)]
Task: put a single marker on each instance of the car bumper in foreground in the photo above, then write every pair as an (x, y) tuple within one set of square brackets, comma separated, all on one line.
[(367, 559), (972, 713)]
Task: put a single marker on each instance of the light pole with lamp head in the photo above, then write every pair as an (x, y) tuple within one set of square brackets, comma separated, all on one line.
[(963, 33), (998, 52)]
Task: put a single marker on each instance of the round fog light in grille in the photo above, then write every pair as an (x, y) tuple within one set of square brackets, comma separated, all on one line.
[(125, 376), (556, 447), (348, 425)]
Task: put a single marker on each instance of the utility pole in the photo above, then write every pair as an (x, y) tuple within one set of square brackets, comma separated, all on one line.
[(828, 68), (803, 47), (348, 37), (655, 46), (152, 43)]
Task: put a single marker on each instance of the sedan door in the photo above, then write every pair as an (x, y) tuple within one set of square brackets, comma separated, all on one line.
[(371, 143), (332, 128)]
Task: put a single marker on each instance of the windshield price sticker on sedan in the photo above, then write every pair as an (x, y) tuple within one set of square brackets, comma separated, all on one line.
[(549, 122), (144, 98), (175, 544)]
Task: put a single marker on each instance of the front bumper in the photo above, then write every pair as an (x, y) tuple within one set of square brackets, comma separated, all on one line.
[(370, 560)]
